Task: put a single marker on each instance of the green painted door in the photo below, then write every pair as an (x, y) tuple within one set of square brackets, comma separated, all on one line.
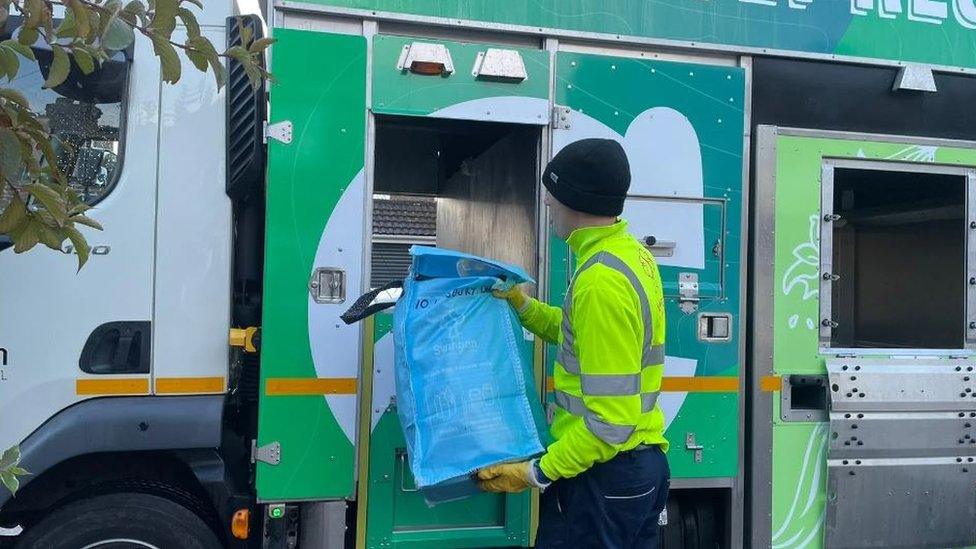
[(309, 359), (682, 127), (790, 463)]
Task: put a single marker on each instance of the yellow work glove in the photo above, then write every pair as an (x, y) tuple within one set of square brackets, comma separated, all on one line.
[(515, 297), (510, 477)]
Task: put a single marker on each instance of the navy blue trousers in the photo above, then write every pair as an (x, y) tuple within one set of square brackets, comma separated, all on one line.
[(612, 505)]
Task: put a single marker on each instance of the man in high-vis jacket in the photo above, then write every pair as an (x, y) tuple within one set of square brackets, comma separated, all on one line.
[(605, 477)]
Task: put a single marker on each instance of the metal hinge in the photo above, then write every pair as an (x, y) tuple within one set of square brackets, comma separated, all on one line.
[(561, 117), (692, 444), (279, 131), (269, 453), (688, 292)]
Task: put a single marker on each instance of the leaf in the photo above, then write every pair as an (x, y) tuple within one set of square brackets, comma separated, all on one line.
[(10, 221), (15, 96), (27, 237), (84, 61), (23, 50), (203, 45), (80, 244), (47, 148), (10, 481), (199, 59), (68, 27), (28, 36), (135, 7), (169, 61), (9, 63), (87, 221), (10, 458), (196, 3), (261, 44), (190, 21), (164, 17), (4, 14), (60, 67), (51, 200), (11, 161), (96, 28), (19, 471), (37, 13), (118, 35), (82, 22), (50, 237)]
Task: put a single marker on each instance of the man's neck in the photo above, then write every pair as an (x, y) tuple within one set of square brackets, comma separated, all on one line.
[(582, 220)]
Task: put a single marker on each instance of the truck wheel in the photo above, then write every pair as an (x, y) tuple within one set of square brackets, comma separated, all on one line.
[(117, 521)]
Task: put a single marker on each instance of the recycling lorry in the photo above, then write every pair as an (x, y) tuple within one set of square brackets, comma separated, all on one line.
[(804, 172)]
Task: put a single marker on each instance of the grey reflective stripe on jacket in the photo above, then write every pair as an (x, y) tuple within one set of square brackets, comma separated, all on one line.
[(608, 384)]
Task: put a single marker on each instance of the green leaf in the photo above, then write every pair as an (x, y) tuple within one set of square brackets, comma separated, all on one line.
[(15, 96), (9, 63), (50, 237), (87, 221), (204, 46), (11, 160), (23, 50), (84, 61), (27, 237), (118, 35), (37, 13), (19, 471), (51, 200), (47, 149), (79, 242), (4, 14), (68, 27), (60, 67), (196, 3), (28, 37), (82, 22), (10, 481), (169, 61), (164, 17), (190, 22), (199, 59), (96, 28), (10, 458), (135, 7), (261, 44), (11, 220)]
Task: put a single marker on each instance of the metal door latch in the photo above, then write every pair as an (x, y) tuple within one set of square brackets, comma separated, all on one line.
[(688, 292), (328, 285), (692, 444), (269, 453), (279, 131)]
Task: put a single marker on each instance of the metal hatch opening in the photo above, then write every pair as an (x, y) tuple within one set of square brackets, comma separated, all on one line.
[(458, 184), (895, 236)]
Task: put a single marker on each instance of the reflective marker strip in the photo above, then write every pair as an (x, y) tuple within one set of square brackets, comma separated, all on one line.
[(608, 432), (112, 386), (700, 384), (577, 407), (610, 384), (310, 386), (770, 384), (189, 385)]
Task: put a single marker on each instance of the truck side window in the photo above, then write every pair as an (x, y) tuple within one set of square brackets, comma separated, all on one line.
[(85, 117)]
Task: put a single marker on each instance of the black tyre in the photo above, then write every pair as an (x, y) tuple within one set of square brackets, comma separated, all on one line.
[(120, 521)]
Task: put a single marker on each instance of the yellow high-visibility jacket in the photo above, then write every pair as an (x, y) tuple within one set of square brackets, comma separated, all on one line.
[(610, 332)]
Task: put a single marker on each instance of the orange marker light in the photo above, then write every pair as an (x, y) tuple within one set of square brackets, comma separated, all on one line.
[(240, 524)]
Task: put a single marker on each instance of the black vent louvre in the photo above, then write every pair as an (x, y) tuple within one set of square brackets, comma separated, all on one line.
[(246, 112), (390, 262)]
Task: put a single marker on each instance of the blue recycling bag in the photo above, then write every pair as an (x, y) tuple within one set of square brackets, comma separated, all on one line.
[(465, 392)]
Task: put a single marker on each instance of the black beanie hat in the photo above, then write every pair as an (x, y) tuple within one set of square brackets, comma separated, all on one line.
[(590, 176)]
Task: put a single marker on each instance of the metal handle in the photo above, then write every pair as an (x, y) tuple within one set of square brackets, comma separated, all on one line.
[(402, 459)]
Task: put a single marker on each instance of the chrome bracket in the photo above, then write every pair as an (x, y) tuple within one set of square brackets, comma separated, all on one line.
[(279, 131), (692, 444), (269, 453), (688, 292), (561, 117)]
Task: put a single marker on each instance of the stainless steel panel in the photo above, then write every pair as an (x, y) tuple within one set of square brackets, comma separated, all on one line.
[(901, 434), (826, 251), (901, 385), (901, 503), (971, 258)]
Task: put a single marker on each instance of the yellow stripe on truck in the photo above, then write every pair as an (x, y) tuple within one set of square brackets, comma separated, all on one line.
[(113, 386), (189, 385), (310, 386)]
